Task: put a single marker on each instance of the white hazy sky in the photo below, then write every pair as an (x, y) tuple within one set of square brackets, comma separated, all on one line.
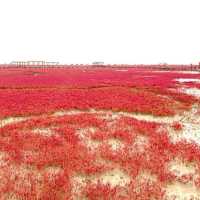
[(113, 31)]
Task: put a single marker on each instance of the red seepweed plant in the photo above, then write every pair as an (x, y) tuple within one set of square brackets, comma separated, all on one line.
[(80, 137)]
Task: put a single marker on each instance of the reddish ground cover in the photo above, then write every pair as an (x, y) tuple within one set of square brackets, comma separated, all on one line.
[(76, 133)]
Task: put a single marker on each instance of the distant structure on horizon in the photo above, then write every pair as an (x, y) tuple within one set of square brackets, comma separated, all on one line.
[(98, 63), (34, 63)]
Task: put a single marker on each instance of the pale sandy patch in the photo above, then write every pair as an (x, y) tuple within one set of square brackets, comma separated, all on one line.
[(107, 115), (191, 91), (121, 70), (11, 120), (181, 168), (142, 179), (67, 112), (149, 76), (20, 176), (115, 177), (185, 80), (115, 144), (84, 132), (140, 144), (191, 116), (146, 176), (113, 115), (78, 183), (151, 118), (25, 177), (190, 133), (190, 122), (162, 71), (10, 196), (52, 172), (3, 159), (28, 155), (140, 116), (188, 72), (91, 144), (43, 131), (180, 191), (182, 72), (84, 135)]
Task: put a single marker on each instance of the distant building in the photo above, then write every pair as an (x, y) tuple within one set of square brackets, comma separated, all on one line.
[(98, 63), (34, 63)]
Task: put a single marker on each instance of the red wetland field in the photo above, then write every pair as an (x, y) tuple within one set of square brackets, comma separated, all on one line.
[(99, 133)]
